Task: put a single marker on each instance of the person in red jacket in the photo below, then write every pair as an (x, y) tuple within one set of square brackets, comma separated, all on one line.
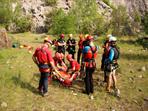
[(42, 57), (89, 54), (66, 78), (80, 44), (105, 54), (59, 63), (74, 65)]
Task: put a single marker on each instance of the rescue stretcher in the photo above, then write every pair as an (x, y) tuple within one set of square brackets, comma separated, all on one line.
[(65, 78)]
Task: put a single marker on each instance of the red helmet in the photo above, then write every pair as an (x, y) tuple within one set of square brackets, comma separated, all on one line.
[(62, 36), (89, 37), (69, 56)]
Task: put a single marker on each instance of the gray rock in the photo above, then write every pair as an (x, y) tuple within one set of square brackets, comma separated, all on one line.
[(37, 10), (4, 105), (131, 5), (143, 69), (4, 39), (140, 76)]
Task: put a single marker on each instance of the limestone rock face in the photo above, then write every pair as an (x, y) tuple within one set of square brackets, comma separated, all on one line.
[(140, 5), (104, 9), (37, 9)]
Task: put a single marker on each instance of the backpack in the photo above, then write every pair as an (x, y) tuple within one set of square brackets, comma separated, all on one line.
[(93, 51), (117, 53), (42, 53), (91, 62)]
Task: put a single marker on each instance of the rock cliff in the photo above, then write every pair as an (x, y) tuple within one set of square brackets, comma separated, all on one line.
[(37, 9)]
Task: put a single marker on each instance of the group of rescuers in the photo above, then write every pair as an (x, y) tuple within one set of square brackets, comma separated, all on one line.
[(84, 67)]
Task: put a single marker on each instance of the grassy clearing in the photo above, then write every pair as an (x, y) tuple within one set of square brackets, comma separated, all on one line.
[(19, 79)]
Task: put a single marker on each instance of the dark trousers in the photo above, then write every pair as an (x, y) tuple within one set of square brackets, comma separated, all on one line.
[(43, 83), (89, 80), (79, 55), (102, 62), (102, 67)]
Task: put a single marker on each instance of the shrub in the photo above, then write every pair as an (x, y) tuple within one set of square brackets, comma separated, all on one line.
[(145, 23), (106, 2), (5, 11), (87, 20), (60, 22), (56, 21), (120, 21), (23, 24)]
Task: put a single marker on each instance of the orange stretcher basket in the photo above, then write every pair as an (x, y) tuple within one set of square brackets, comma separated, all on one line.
[(67, 81)]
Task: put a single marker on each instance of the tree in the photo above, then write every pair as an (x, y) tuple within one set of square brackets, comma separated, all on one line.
[(60, 22), (82, 18), (145, 22), (5, 11), (120, 21), (87, 19)]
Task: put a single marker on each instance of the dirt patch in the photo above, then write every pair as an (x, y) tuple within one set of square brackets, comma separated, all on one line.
[(4, 40)]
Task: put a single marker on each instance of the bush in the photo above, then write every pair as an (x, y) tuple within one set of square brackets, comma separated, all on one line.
[(145, 23), (87, 20), (50, 2), (120, 22), (60, 22), (23, 24), (5, 11), (9, 17), (106, 2)]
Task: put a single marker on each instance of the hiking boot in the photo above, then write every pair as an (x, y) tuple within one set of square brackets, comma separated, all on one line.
[(45, 94), (117, 92), (91, 97), (83, 91), (40, 91)]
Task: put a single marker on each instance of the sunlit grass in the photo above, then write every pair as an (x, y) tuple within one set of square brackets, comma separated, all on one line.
[(19, 80)]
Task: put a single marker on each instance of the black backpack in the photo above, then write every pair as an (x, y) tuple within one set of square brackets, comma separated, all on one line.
[(117, 53)]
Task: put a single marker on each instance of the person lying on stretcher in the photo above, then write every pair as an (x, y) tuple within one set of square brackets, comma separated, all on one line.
[(59, 63), (66, 78)]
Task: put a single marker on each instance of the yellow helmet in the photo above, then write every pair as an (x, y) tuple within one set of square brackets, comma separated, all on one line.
[(47, 39), (86, 35), (108, 36), (70, 35)]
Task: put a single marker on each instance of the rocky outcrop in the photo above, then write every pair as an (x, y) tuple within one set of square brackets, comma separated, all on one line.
[(37, 9), (4, 40), (131, 5), (104, 9)]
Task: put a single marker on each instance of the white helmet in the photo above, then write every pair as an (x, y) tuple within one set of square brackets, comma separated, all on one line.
[(112, 39), (109, 35)]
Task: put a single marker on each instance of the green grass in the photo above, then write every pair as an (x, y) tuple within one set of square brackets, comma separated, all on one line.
[(19, 80)]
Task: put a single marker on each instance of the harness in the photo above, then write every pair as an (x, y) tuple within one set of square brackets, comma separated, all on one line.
[(44, 65), (91, 62), (116, 54), (112, 65)]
